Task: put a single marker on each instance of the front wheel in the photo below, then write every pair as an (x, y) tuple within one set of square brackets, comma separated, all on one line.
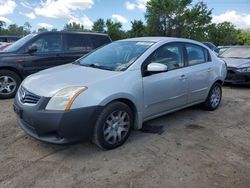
[(214, 97), (9, 83), (113, 126)]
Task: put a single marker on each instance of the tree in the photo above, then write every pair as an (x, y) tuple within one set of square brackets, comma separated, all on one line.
[(138, 29), (42, 29), (73, 26), (27, 27), (223, 33), (196, 21), (2, 24), (2, 29), (165, 17), (244, 37), (114, 30), (14, 29), (99, 25)]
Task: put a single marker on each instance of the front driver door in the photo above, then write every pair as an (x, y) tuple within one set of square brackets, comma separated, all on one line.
[(48, 54), (168, 90)]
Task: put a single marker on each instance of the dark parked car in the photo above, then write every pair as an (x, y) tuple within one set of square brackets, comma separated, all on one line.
[(36, 52), (211, 46), (238, 64), (9, 39)]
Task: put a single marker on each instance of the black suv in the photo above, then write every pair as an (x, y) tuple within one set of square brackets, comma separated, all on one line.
[(36, 52)]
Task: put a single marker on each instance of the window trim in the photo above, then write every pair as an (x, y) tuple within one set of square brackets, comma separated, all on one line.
[(209, 59), (146, 63)]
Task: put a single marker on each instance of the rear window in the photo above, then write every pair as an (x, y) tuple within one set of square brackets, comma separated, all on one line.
[(197, 54), (78, 42), (99, 40)]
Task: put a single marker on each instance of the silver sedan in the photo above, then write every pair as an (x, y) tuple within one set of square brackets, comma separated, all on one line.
[(106, 93)]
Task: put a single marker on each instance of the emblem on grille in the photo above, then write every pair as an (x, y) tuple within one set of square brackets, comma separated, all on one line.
[(23, 95), (27, 97)]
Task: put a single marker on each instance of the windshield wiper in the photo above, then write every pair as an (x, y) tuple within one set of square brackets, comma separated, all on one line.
[(236, 57), (93, 65)]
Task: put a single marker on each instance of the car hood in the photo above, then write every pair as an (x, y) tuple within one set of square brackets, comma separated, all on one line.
[(235, 62), (48, 82)]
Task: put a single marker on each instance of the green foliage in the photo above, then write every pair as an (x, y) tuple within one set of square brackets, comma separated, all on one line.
[(14, 29), (54, 29), (174, 18), (2, 29), (99, 25), (114, 30), (138, 29), (244, 37), (73, 26), (165, 17), (196, 21), (42, 29), (223, 34), (2, 24)]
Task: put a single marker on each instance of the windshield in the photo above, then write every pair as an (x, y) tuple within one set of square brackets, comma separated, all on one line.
[(16, 45), (117, 56), (237, 52)]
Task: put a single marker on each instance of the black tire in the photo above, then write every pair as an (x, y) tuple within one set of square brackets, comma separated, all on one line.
[(102, 126), (12, 78), (211, 102)]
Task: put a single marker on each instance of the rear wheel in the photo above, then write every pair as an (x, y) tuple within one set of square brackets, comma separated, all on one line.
[(113, 126), (214, 97), (9, 83)]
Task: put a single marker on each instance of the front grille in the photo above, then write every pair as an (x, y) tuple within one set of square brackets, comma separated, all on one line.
[(27, 97)]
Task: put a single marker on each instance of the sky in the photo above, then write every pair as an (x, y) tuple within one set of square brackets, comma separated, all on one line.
[(56, 13)]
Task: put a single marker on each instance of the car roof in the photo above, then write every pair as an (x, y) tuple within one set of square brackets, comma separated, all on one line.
[(159, 39), (74, 32)]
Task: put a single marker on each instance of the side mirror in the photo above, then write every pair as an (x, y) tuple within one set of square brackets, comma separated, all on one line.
[(156, 68), (32, 49)]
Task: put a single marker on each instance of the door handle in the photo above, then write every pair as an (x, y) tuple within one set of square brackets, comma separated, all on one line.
[(182, 77), (209, 69)]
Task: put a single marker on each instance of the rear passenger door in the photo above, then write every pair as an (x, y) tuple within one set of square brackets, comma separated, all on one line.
[(76, 45), (200, 67)]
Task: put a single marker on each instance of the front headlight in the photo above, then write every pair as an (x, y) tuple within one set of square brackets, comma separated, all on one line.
[(243, 69), (64, 98)]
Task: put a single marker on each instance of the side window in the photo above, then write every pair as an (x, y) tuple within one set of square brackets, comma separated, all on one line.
[(99, 40), (48, 43), (170, 55), (78, 42), (196, 54)]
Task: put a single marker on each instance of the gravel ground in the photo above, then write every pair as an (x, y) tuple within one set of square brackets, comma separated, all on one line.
[(197, 149)]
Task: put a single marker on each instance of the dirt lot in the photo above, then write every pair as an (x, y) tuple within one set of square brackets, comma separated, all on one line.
[(197, 149)]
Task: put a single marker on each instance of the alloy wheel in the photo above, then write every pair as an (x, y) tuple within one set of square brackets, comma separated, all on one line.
[(116, 127), (7, 85), (215, 96)]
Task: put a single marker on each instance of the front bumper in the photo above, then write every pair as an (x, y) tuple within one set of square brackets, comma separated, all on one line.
[(235, 77), (58, 127)]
